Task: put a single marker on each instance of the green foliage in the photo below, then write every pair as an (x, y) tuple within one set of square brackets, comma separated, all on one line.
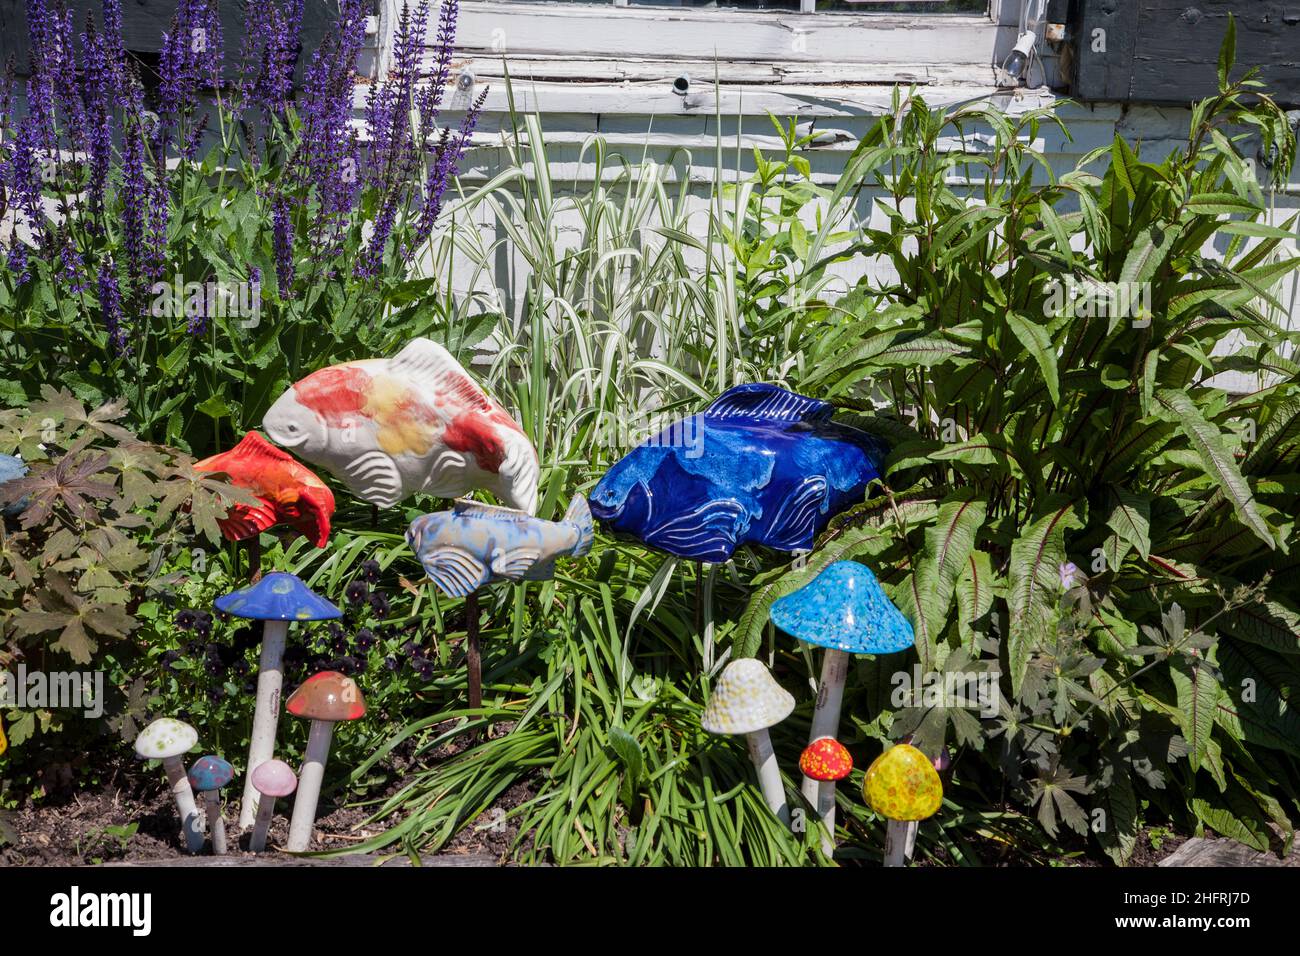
[(1053, 429)]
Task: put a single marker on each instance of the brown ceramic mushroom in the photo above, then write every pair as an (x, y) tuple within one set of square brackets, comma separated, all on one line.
[(324, 699)]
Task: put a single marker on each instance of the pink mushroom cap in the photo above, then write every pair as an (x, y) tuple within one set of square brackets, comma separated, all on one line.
[(275, 778)]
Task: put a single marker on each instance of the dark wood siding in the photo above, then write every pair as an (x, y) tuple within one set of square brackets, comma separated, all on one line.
[(143, 22), (1167, 51)]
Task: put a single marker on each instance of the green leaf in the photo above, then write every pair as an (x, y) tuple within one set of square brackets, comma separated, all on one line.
[(925, 596), (1216, 204), (1119, 836), (1034, 582), (1228, 51), (974, 594), (1035, 339), (1197, 693), (1217, 461), (1130, 519), (629, 753)]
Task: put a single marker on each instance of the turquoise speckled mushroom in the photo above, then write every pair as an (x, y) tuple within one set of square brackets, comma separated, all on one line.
[(844, 610), (277, 599), (208, 776)]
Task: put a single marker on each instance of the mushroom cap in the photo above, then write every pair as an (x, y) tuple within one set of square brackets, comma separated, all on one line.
[(845, 609), (289, 492), (327, 696), (274, 778), (210, 773), (745, 699), (825, 759), (902, 784), (166, 737), (279, 596)]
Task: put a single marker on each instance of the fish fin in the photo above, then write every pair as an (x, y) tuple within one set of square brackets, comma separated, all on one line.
[(468, 506), (376, 478), (541, 571), (515, 562), (519, 472), (794, 525), (579, 515), (430, 365), (709, 533), (457, 573), (768, 403)]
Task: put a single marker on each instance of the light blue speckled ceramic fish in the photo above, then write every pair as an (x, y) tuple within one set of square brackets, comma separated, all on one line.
[(845, 609), (11, 469), (472, 544)]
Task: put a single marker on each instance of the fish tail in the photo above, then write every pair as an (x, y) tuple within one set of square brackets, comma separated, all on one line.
[(579, 515)]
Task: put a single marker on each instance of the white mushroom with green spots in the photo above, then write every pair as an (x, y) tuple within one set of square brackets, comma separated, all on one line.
[(168, 739)]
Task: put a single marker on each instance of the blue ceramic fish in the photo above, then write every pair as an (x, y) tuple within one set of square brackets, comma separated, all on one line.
[(763, 465), (472, 544)]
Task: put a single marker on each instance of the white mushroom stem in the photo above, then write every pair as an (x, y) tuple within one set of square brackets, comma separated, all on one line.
[(769, 773), (825, 805), (896, 843), (216, 824), (826, 716), (909, 844), (266, 715), (265, 811), (309, 781), (183, 794)]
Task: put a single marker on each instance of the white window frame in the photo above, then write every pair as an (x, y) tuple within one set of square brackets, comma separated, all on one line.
[(599, 41)]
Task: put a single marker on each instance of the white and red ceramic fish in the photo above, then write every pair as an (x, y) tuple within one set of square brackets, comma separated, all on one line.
[(417, 422)]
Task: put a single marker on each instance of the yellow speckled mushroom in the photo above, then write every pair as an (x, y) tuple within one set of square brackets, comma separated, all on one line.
[(4, 744), (902, 785)]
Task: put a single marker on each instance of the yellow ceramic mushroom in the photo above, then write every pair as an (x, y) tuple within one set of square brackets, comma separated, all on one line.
[(902, 785)]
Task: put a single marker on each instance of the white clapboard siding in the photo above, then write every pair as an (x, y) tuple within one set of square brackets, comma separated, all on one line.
[(590, 71)]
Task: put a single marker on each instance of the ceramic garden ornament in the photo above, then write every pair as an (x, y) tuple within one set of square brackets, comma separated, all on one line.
[(748, 700), (289, 492), (902, 786), (844, 610), (272, 780), (324, 699), (827, 761), (473, 544), (168, 739), (207, 777), (11, 469), (760, 465), (388, 428), (277, 599)]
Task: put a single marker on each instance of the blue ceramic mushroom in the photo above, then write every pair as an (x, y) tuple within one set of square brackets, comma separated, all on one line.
[(277, 599), (760, 465), (11, 469), (278, 596), (208, 775), (844, 610)]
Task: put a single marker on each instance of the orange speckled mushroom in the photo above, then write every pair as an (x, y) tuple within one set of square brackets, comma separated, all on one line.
[(902, 784), (327, 696), (825, 759)]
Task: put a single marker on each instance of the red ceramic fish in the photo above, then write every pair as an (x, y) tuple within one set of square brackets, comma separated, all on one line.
[(290, 493)]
